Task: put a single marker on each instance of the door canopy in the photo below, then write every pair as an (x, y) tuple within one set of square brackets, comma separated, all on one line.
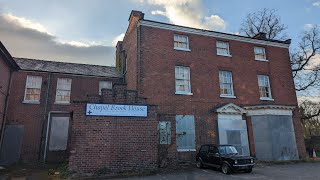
[(230, 109)]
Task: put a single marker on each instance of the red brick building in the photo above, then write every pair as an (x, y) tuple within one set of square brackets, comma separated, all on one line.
[(42, 92), (214, 87), (192, 86)]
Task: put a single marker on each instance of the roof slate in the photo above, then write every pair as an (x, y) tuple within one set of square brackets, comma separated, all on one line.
[(66, 68)]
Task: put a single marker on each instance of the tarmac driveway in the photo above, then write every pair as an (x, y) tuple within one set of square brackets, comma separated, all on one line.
[(283, 172)]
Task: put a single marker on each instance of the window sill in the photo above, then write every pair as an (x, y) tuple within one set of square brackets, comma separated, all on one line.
[(228, 96), (226, 55), (182, 49), (266, 99), (62, 103), (186, 150), (30, 102), (183, 93), (265, 60)]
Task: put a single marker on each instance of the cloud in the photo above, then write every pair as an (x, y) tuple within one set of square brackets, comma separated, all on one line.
[(187, 13), (308, 26), (25, 38), (24, 23), (317, 4), (314, 62), (301, 99), (117, 38)]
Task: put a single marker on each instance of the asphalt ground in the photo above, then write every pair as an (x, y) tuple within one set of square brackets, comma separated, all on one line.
[(282, 172)]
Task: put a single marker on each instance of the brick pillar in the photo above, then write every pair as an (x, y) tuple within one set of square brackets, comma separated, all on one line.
[(250, 136)]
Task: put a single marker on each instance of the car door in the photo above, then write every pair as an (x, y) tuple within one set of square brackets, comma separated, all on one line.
[(204, 154), (214, 156)]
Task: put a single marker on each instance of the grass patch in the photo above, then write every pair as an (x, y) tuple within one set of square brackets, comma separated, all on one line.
[(62, 171)]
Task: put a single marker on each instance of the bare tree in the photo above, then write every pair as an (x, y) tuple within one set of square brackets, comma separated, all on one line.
[(310, 118), (304, 62), (265, 21), (305, 59)]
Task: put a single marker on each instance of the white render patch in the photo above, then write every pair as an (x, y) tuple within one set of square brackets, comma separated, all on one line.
[(269, 110), (210, 33), (116, 110)]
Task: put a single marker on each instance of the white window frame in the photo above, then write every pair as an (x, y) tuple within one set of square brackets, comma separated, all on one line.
[(269, 88), (264, 53), (231, 85), (228, 48), (179, 48), (26, 87), (63, 102), (188, 78), (100, 85)]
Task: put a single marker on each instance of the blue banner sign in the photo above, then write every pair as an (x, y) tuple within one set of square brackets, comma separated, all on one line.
[(116, 110)]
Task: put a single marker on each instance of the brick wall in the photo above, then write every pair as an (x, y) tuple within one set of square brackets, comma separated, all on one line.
[(115, 143), (130, 45), (34, 116)]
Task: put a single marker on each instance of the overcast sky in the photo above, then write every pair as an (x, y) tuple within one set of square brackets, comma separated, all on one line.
[(87, 31)]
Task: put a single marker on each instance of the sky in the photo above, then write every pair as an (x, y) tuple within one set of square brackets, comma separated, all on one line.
[(87, 31)]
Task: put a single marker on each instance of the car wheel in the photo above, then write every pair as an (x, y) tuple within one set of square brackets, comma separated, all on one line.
[(249, 170), (199, 163), (225, 168)]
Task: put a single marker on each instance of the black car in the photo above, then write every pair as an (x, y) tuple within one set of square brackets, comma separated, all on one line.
[(224, 157)]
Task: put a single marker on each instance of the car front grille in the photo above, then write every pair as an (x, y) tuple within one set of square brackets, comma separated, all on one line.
[(244, 161)]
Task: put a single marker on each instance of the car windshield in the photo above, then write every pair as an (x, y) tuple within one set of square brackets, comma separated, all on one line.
[(227, 150)]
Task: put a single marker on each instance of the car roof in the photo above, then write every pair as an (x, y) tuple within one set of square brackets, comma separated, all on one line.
[(217, 145)]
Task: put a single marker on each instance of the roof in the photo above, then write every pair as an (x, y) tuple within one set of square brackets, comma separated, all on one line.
[(185, 29), (7, 57), (66, 68)]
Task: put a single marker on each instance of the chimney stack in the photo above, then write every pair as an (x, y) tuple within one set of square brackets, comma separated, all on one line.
[(260, 35), (137, 14)]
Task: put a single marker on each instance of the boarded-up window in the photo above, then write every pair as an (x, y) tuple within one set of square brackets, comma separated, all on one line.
[(59, 133), (63, 90), (33, 88), (164, 129), (185, 133)]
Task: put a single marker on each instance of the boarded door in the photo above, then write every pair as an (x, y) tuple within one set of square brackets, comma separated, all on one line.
[(185, 133), (233, 131), (274, 137), (58, 139), (11, 147)]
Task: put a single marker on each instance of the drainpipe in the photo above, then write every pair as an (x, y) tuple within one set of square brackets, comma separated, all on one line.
[(3, 125), (45, 118), (46, 141)]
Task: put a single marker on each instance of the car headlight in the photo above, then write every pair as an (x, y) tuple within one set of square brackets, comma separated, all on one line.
[(235, 162), (251, 160)]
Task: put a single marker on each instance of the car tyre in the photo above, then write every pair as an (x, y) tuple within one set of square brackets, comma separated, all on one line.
[(199, 163), (249, 170), (225, 168)]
